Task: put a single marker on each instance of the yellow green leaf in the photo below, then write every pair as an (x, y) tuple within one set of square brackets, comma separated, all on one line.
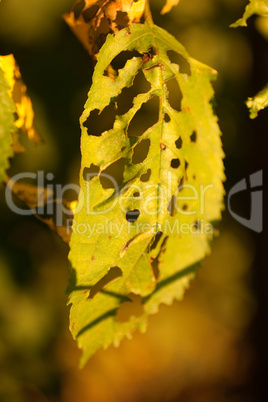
[(259, 7), (258, 102), (139, 236), (7, 110)]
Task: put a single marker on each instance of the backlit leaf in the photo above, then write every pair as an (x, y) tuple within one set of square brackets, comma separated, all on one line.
[(24, 110), (7, 110), (92, 21), (168, 6), (259, 7), (259, 102), (138, 238)]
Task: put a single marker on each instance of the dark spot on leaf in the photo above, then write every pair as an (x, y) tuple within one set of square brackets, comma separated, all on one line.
[(122, 149), (176, 58), (145, 117), (174, 94), (112, 176), (146, 176), (197, 225), (136, 194), (89, 173), (193, 136), (140, 151), (120, 60), (172, 206), (97, 124), (130, 308), (186, 165), (178, 143), (147, 56), (114, 273), (184, 207), (132, 216), (166, 118), (125, 99), (175, 163)]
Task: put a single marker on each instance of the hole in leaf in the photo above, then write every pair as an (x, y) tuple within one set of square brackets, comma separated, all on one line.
[(132, 216), (156, 240), (103, 28), (120, 60), (89, 13), (193, 136), (175, 163), (155, 262), (146, 176), (181, 182), (113, 175), (130, 308), (112, 274), (78, 8), (121, 20), (145, 117), (178, 143), (89, 173), (214, 105), (172, 206), (125, 99), (174, 94), (176, 58), (166, 118), (140, 151), (97, 124)]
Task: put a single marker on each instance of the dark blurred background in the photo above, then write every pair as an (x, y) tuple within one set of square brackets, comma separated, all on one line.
[(213, 345)]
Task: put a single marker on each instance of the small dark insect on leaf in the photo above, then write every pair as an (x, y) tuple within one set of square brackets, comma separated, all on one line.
[(146, 57)]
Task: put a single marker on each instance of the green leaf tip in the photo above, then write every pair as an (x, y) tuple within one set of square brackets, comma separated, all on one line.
[(151, 184), (259, 7), (258, 102)]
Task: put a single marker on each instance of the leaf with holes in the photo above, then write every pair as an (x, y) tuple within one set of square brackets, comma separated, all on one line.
[(7, 110), (151, 185)]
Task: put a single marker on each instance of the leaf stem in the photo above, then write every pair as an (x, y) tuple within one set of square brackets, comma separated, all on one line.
[(147, 12)]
